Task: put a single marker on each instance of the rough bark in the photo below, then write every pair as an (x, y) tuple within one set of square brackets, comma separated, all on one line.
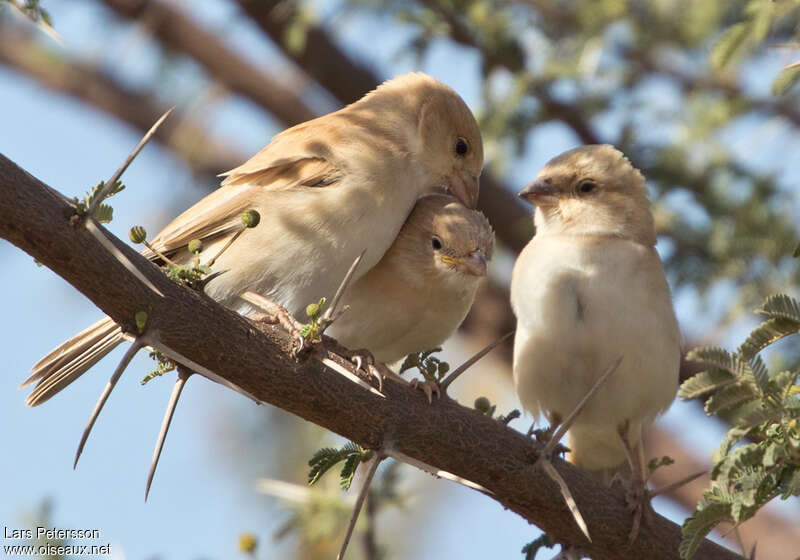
[(446, 435)]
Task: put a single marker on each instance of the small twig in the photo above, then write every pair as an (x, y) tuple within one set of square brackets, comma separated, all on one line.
[(567, 423), (183, 375), (126, 359), (470, 362), (225, 247), (371, 551), (108, 185), (340, 292), (362, 494), (159, 254), (677, 484)]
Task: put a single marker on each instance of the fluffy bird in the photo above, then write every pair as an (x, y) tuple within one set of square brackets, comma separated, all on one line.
[(326, 190), (588, 289), (422, 289)]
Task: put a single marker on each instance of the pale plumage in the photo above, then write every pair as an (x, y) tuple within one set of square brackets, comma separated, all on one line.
[(587, 289), (326, 189), (422, 289)]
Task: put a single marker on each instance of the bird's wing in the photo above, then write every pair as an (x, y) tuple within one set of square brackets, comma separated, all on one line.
[(292, 160)]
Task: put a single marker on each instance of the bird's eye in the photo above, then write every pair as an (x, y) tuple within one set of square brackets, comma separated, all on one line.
[(436, 243), (461, 147), (587, 186)]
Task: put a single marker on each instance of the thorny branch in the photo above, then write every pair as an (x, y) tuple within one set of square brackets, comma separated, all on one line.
[(196, 330)]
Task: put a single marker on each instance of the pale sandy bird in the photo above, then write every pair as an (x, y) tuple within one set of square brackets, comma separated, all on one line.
[(423, 287), (326, 190), (590, 288)]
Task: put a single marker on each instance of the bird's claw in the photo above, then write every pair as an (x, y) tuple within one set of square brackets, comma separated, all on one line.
[(428, 387), (637, 500), (365, 366)]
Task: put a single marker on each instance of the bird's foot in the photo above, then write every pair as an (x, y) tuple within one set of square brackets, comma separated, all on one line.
[(429, 387), (271, 313), (637, 500)]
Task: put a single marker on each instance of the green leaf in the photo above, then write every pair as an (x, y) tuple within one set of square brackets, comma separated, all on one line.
[(760, 374), (705, 382), (773, 455), (781, 306), (322, 461), (104, 213), (733, 436), (758, 416), (768, 332), (792, 487), (696, 527), (730, 46), (787, 77), (718, 357), (729, 397), (348, 471)]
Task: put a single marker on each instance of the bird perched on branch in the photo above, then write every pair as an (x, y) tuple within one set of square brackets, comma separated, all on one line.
[(325, 190), (422, 289), (588, 289)]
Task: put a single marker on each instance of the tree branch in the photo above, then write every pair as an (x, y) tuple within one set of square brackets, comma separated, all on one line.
[(446, 435), (19, 51), (175, 29)]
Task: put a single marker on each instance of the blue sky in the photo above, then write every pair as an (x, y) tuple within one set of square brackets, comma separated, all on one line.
[(200, 501)]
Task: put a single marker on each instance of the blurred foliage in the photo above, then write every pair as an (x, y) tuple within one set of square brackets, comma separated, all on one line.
[(43, 517), (759, 458), (319, 518), (637, 74), (32, 9)]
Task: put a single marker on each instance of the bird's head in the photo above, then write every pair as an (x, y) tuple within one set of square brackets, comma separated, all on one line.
[(592, 190), (448, 141), (446, 242), (431, 122)]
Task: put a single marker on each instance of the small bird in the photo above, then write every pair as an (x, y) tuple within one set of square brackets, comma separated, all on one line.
[(325, 190), (423, 287), (588, 289)]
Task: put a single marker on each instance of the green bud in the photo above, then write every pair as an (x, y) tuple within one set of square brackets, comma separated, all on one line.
[(137, 234), (141, 320), (251, 218), (312, 309), (195, 246), (482, 404)]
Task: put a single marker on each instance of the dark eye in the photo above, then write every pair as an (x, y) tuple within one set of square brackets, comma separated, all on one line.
[(587, 186), (462, 147), (436, 243)]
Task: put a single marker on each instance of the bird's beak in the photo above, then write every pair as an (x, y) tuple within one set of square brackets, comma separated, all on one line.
[(474, 263), (539, 193), (464, 186)]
